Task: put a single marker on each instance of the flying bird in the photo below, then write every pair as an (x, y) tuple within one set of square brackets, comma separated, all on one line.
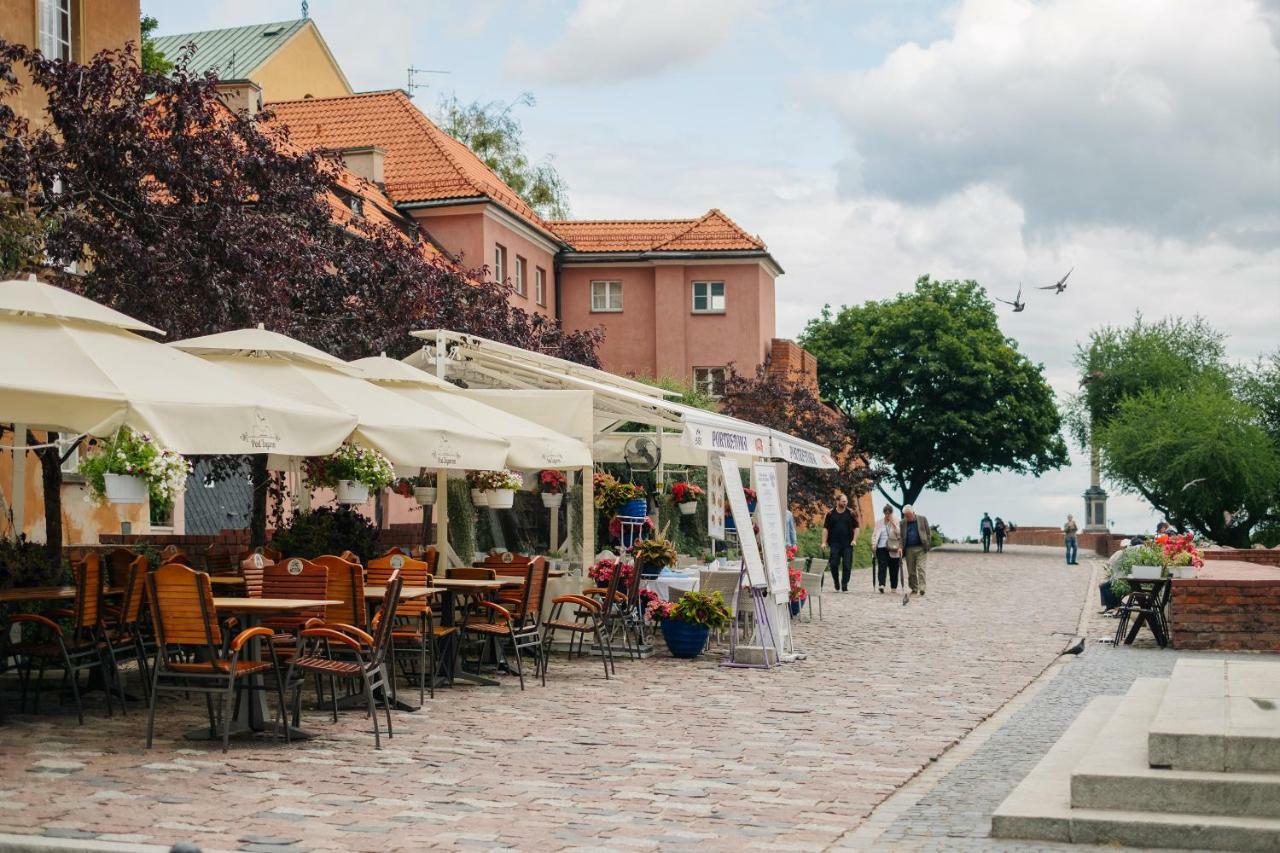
[(1197, 481), (1017, 302), (1061, 284)]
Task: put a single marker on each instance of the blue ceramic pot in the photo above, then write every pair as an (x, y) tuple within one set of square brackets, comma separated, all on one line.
[(729, 523), (649, 570), (795, 608), (634, 508), (684, 639)]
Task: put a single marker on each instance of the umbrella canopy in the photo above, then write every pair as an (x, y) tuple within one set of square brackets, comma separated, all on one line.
[(259, 343), (409, 433), (532, 446), (80, 376), (31, 297)]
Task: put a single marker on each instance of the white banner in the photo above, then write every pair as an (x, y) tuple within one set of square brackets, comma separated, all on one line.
[(742, 521), (801, 453), (772, 535), (718, 438)]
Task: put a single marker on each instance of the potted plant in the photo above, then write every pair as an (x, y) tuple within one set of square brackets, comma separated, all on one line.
[(131, 467), (476, 480), (551, 486), (686, 497), (629, 501), (688, 622), (1182, 555), (420, 487), (729, 522), (799, 595), (654, 555), (351, 471), (603, 570), (499, 487)]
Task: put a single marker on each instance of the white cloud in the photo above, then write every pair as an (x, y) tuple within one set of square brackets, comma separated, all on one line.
[(607, 41), (1148, 113)]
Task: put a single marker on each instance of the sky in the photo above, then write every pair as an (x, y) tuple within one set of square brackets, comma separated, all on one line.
[(869, 143)]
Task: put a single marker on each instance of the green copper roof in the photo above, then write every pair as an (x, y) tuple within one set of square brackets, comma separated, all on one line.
[(232, 53)]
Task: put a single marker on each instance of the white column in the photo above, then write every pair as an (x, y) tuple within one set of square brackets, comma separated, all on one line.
[(18, 497), (588, 517), (442, 517)]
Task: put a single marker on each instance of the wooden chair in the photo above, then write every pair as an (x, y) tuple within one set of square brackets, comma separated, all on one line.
[(345, 584), (122, 632), (611, 598), (364, 659), (252, 569), (219, 561), (518, 624), (173, 554), (118, 561), (182, 608), (416, 636), (507, 564), (293, 578), (588, 618), (77, 650)]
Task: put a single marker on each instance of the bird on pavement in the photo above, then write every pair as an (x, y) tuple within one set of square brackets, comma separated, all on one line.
[(906, 598), (1060, 285), (1017, 303), (1077, 649)]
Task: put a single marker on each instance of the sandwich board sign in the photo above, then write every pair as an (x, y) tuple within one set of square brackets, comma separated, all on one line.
[(772, 536)]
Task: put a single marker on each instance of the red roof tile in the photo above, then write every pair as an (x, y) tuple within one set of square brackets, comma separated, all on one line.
[(423, 163), (713, 232)]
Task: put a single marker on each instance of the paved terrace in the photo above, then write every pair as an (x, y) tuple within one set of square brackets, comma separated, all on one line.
[(670, 753)]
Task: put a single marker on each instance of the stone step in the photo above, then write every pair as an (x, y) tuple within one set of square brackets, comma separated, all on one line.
[(1219, 715), (1039, 808), (1114, 772)]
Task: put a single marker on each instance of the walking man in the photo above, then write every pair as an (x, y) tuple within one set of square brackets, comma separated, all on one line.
[(915, 548), (1001, 530), (986, 526), (839, 532), (1069, 531)]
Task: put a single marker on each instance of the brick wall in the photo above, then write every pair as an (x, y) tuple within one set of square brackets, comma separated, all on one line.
[(789, 362), (1225, 615), (1260, 556), (1103, 544)]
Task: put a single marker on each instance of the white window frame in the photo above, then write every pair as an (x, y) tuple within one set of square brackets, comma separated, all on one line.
[(54, 26), (540, 286), (606, 297), (521, 266), (500, 263), (710, 379), (713, 303)]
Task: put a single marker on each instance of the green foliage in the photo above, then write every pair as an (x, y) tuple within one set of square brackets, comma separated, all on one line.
[(935, 389), (700, 608), (24, 563), (153, 59), (689, 394), (809, 544), (136, 454), (329, 530), (462, 519), (687, 532), (21, 237), (492, 131), (658, 551), (350, 462)]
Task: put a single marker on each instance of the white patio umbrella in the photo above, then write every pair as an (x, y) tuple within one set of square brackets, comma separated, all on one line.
[(73, 366), (532, 446), (409, 433)]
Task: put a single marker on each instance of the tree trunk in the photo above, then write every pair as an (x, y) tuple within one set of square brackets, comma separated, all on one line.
[(51, 483), (261, 478)]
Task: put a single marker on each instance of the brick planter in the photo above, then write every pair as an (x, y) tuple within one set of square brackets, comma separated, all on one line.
[(1239, 613)]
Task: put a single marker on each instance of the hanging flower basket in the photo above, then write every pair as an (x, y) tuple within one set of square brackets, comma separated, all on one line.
[(551, 501), (479, 498), (500, 498), (424, 495), (124, 489), (351, 492), (688, 507)]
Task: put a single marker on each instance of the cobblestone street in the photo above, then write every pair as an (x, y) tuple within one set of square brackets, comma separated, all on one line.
[(670, 753)]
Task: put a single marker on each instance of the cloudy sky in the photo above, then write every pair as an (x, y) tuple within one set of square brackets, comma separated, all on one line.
[(871, 142)]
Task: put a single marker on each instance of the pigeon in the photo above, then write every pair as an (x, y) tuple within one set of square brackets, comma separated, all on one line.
[(906, 599), (1077, 649), (1061, 284), (1194, 482), (1017, 303)]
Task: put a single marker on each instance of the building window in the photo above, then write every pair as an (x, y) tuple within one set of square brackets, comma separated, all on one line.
[(520, 268), (540, 286), (606, 296), (709, 380), (357, 206), (55, 28), (499, 263), (708, 297)]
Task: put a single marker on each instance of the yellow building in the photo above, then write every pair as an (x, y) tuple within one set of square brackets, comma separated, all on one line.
[(289, 60), (65, 29)]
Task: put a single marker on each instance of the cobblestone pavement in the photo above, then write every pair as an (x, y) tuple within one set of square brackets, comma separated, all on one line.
[(671, 753)]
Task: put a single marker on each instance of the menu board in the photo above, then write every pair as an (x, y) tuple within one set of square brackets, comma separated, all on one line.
[(742, 518), (772, 535), (715, 498)]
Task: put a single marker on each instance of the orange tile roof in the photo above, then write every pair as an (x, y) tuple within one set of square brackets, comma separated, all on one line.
[(423, 163), (713, 232)]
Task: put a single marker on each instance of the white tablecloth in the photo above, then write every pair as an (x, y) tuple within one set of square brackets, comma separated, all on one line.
[(663, 583)]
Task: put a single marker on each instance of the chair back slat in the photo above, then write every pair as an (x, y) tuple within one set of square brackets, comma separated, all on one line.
[(295, 577), (135, 586), (118, 561), (386, 618), (346, 584), (182, 607), (88, 593), (506, 564), (351, 557), (535, 590), (252, 568), (174, 554), (471, 573), (431, 556), (412, 573)]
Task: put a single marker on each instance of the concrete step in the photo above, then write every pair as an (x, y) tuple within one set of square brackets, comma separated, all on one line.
[(1219, 715), (1039, 808), (1114, 772)]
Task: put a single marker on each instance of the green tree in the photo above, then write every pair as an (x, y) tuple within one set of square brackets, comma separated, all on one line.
[(494, 133), (688, 393), (934, 389), (153, 59)]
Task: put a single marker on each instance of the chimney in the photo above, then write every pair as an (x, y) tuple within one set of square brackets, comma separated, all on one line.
[(790, 364), (241, 96), (367, 162)]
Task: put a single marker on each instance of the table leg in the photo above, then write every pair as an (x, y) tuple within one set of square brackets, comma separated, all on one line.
[(457, 672)]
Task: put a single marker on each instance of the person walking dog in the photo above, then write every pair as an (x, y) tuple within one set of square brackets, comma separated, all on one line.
[(839, 532), (915, 549), (888, 544), (1069, 531)]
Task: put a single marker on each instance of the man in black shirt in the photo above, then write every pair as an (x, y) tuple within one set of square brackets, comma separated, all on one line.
[(839, 532)]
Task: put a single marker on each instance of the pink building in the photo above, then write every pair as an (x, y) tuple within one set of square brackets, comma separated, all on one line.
[(680, 298)]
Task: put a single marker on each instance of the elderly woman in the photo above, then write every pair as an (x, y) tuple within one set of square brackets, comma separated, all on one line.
[(887, 540)]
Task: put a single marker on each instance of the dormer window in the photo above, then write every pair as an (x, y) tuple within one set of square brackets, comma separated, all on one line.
[(357, 206)]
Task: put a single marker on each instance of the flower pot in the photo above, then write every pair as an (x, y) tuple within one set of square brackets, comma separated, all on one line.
[(684, 639), (688, 507), (1146, 573), (795, 608), (649, 570), (634, 508), (351, 492), (424, 495), (125, 489), (551, 501), (1184, 572), (500, 498), (751, 506), (729, 523), (479, 498)]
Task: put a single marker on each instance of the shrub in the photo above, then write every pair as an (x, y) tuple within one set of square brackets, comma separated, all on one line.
[(329, 530)]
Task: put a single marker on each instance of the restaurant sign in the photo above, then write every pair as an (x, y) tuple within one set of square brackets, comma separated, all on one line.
[(799, 454), (720, 440)]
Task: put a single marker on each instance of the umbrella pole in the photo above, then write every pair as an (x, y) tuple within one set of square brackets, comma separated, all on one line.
[(442, 518), (18, 497)]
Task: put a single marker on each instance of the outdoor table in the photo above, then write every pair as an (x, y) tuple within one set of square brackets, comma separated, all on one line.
[(663, 584), (27, 594), (377, 593), (452, 587), (1148, 599), (226, 580), (251, 715)]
